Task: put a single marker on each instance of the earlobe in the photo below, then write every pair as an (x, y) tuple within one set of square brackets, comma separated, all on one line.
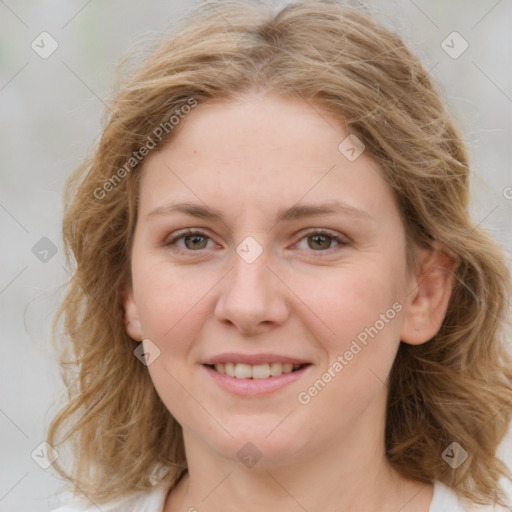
[(131, 315), (429, 295)]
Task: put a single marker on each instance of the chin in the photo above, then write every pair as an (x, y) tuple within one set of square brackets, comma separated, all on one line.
[(261, 447)]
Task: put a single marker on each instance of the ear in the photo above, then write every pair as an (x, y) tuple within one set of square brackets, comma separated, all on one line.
[(429, 293), (131, 314)]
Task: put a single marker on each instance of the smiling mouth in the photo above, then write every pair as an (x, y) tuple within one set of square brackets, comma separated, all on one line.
[(257, 371)]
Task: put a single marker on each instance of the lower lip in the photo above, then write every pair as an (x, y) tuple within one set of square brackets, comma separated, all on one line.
[(253, 387)]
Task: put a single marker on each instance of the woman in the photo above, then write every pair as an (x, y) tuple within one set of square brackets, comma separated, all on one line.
[(280, 299)]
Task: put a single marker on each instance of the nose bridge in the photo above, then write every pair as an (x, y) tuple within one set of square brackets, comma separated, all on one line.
[(250, 261), (249, 278), (250, 295)]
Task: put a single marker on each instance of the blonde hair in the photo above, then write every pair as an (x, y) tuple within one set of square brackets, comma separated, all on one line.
[(455, 388)]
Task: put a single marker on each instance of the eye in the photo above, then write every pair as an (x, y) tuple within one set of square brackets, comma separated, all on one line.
[(322, 241), (318, 240), (189, 240)]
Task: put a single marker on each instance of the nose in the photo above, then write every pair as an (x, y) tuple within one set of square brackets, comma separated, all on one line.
[(252, 298)]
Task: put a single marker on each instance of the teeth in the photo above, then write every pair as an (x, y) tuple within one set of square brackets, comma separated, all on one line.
[(261, 371), (257, 371), (243, 371), (230, 369)]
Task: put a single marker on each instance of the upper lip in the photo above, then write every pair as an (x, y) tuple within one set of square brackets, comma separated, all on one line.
[(253, 359)]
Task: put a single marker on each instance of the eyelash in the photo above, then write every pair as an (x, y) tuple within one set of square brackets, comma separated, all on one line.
[(340, 240)]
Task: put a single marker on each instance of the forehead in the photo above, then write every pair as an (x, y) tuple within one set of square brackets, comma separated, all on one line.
[(261, 152)]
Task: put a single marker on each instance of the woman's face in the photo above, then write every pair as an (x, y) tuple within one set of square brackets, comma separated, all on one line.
[(295, 260)]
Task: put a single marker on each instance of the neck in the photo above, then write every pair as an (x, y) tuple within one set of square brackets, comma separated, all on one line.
[(349, 476)]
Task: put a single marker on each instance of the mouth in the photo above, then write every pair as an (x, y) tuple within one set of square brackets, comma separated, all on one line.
[(255, 375), (256, 371)]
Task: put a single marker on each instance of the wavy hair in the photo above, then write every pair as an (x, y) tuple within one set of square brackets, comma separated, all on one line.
[(455, 388)]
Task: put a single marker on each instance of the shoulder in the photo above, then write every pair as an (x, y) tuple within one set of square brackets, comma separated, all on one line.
[(446, 499), (151, 500)]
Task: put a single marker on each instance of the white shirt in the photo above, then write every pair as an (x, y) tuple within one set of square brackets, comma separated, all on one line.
[(443, 500)]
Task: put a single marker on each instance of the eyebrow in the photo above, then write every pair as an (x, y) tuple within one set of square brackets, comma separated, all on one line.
[(294, 212)]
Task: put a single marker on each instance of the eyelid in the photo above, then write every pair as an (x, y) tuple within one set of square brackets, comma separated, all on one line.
[(341, 239), (322, 231), (172, 238)]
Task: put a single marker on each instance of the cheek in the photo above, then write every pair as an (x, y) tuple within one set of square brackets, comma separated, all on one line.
[(173, 306), (352, 299), (362, 306), (363, 309), (170, 299)]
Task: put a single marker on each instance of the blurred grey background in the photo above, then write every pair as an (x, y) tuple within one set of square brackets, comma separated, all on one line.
[(50, 116)]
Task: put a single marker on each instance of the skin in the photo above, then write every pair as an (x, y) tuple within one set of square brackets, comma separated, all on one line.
[(303, 296)]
